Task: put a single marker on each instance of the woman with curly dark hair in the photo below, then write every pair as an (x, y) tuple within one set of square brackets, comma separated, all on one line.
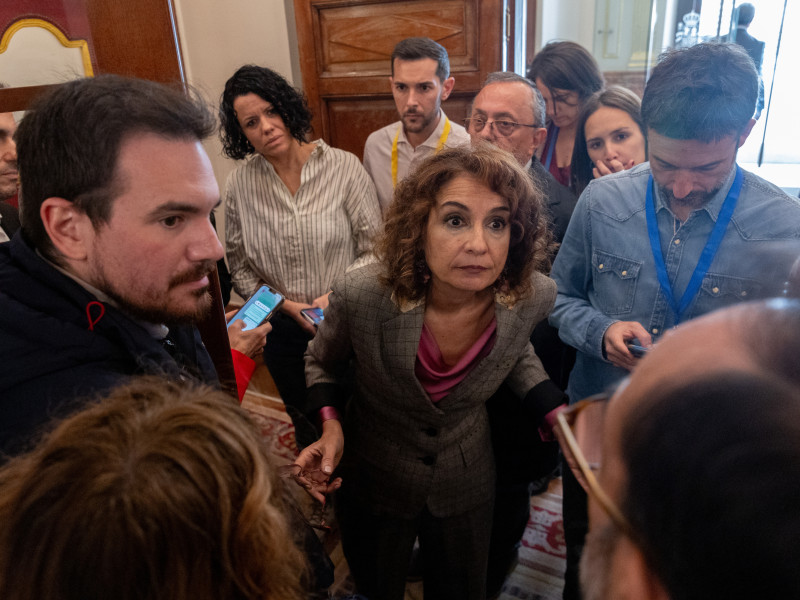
[(297, 214), (433, 329)]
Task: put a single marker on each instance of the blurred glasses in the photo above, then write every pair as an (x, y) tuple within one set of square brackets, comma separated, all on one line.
[(581, 438), (504, 128), (309, 479)]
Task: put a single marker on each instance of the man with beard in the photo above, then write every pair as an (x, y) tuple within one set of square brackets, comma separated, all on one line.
[(697, 464), (674, 238), (420, 83), (113, 264)]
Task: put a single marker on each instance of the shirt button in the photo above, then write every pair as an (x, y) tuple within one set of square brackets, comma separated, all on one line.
[(432, 431), (715, 290), (600, 266), (744, 294), (428, 460), (624, 273), (677, 242), (655, 330)]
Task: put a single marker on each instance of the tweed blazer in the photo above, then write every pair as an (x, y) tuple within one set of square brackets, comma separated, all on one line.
[(402, 451)]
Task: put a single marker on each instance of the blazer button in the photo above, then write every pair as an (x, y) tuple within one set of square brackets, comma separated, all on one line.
[(429, 460), (432, 431)]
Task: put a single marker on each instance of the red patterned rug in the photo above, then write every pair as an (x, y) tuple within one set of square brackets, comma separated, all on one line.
[(539, 573)]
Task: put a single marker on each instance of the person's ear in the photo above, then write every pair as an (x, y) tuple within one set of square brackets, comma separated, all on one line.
[(67, 227), (748, 128), (447, 87), (539, 136)]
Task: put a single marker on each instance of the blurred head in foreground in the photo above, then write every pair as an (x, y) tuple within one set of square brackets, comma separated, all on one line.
[(158, 491)]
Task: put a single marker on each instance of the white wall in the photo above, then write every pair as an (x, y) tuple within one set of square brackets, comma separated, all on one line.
[(571, 20)]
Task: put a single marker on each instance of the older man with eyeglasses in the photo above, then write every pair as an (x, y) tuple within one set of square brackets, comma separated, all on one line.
[(509, 112), (693, 466)]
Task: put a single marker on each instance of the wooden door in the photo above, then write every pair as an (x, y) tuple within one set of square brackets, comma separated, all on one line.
[(345, 47)]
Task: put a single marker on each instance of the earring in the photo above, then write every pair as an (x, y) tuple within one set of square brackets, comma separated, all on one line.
[(421, 270)]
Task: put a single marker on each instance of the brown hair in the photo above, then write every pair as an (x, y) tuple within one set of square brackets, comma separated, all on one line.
[(401, 246), (160, 491), (614, 96)]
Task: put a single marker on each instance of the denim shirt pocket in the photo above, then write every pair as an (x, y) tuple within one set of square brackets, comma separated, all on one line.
[(614, 279), (718, 291)]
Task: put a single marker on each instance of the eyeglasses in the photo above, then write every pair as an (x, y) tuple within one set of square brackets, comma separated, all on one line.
[(581, 439), (504, 128)]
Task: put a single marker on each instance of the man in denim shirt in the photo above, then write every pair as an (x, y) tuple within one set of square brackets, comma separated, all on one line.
[(669, 240)]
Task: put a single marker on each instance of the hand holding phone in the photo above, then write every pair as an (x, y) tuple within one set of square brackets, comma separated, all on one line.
[(636, 348), (259, 308), (313, 315)]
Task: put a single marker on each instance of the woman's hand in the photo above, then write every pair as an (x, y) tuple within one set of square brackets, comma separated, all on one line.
[(249, 342), (321, 302), (613, 166), (318, 461), (292, 308)]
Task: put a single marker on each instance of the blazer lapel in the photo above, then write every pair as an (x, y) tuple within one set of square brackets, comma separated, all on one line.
[(509, 328), (400, 342)]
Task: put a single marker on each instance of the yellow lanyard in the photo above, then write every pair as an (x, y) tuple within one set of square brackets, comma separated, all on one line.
[(439, 146)]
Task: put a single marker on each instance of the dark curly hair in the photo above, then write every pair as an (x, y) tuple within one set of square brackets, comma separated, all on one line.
[(287, 101), (401, 246)]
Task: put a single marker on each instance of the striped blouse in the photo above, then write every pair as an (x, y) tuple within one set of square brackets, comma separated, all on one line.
[(299, 244)]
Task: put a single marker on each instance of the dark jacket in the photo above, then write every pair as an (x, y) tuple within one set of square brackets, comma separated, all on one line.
[(51, 359), (9, 218)]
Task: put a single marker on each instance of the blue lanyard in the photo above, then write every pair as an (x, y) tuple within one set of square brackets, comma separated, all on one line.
[(706, 257), (551, 148)]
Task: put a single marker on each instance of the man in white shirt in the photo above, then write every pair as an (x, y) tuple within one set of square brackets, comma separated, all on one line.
[(420, 82)]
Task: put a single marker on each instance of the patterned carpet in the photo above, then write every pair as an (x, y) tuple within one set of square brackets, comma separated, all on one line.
[(539, 573)]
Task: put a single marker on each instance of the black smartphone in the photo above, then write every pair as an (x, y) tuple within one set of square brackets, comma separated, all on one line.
[(258, 308), (312, 315)]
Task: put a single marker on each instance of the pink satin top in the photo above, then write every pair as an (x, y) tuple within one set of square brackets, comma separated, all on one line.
[(436, 377)]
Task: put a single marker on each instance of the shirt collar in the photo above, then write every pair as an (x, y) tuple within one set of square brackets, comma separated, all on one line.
[(320, 148), (433, 138), (713, 206)]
